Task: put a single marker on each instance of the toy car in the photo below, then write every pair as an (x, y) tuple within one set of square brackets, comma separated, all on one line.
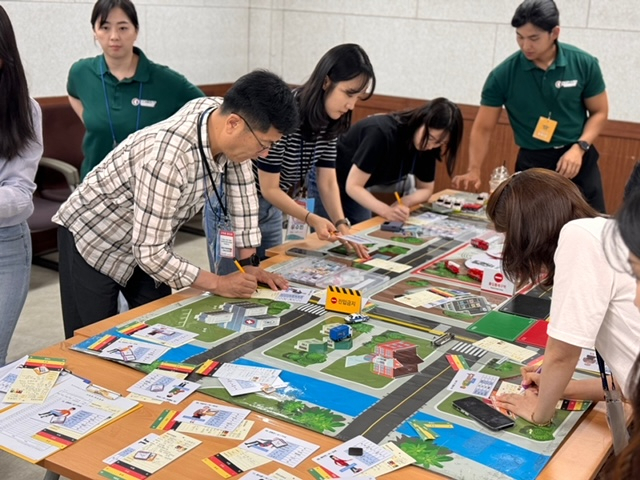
[(453, 267), (472, 207), (476, 274), (339, 333), (357, 318), (480, 243)]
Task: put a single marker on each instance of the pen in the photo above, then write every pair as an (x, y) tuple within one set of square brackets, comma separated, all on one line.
[(235, 260), (398, 198), (538, 370)]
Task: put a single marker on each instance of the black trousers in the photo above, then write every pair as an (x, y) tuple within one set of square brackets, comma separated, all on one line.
[(588, 179), (89, 296)]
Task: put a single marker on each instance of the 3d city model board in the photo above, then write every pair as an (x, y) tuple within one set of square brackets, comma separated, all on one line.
[(394, 372)]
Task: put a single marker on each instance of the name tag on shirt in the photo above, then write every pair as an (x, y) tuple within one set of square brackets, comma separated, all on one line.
[(566, 84), (544, 129), (143, 103)]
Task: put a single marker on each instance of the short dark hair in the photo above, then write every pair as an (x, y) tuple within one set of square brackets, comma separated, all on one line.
[(531, 207), (628, 222), (633, 184), (543, 14), (441, 114), (341, 63), (264, 100), (16, 118), (102, 8)]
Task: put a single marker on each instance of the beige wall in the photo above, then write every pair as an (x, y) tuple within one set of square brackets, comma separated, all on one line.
[(419, 48)]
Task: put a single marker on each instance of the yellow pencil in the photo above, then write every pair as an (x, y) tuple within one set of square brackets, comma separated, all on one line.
[(235, 260), (398, 198)]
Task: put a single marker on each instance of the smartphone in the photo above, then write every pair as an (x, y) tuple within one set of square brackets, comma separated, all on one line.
[(481, 412), (391, 226), (303, 252)]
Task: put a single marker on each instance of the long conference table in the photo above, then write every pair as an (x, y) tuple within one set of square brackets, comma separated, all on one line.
[(580, 457)]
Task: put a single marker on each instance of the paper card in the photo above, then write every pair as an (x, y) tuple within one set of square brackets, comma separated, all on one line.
[(280, 474), (506, 349), (298, 229), (266, 293), (588, 361), (234, 462), (153, 456), (9, 373), (166, 420), (164, 335), (77, 420), (339, 463), (359, 239), (242, 387), (508, 388), (398, 460), (143, 398), (494, 280), (244, 372), (239, 433), (35, 380), (161, 387), (253, 475), (475, 383), (296, 295), (282, 448), (139, 445), (213, 415), (387, 265), (130, 350), (422, 298)]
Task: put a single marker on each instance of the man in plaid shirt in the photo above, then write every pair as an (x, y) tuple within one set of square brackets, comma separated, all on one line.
[(117, 229)]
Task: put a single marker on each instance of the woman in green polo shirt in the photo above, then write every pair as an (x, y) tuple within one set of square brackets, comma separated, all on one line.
[(121, 91)]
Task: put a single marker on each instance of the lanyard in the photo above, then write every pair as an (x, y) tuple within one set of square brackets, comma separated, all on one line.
[(540, 90), (223, 207), (106, 101), (603, 375)]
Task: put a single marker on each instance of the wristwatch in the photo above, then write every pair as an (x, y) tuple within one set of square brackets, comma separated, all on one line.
[(252, 261), (585, 146), (343, 221)]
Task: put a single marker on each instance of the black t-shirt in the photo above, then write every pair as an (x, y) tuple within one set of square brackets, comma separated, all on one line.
[(379, 145)]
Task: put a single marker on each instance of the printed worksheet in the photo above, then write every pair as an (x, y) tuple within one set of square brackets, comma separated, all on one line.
[(239, 433), (387, 265), (234, 462), (260, 375), (398, 460), (151, 457), (35, 380), (158, 333), (162, 387), (506, 349), (282, 448), (474, 383), (130, 350), (213, 415), (423, 298), (295, 295), (242, 387), (134, 447), (343, 462)]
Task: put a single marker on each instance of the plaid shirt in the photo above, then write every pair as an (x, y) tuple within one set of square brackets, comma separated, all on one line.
[(130, 207)]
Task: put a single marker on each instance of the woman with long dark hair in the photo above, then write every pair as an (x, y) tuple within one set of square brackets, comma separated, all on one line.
[(342, 76), (121, 91), (553, 234), (383, 150), (20, 151)]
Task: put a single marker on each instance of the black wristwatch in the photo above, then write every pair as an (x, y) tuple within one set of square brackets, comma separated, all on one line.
[(343, 221), (252, 261), (585, 146)]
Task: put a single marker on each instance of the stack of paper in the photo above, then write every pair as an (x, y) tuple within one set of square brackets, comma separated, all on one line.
[(243, 379)]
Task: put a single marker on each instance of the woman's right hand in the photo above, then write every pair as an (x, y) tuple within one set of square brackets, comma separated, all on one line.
[(396, 213)]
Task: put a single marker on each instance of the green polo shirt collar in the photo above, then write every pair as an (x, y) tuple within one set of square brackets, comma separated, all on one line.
[(560, 61), (142, 74)]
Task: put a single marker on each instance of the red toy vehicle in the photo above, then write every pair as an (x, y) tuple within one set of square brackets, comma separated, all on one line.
[(473, 207), (453, 267), (476, 274), (480, 243)]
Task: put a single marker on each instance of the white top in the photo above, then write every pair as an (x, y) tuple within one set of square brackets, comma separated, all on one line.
[(592, 300)]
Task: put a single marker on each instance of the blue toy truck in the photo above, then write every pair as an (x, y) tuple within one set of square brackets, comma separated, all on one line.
[(339, 333)]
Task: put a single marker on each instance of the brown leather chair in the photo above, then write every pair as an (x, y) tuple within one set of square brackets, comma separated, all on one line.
[(57, 174)]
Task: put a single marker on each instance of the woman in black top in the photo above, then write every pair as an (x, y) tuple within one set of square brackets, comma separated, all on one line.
[(384, 149)]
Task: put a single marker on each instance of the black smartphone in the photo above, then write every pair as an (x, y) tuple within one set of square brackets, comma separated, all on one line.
[(303, 252), (481, 412), (391, 226)]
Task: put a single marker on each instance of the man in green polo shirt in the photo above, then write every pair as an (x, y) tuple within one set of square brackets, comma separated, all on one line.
[(555, 96)]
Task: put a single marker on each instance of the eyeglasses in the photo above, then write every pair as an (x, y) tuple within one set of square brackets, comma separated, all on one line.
[(262, 146)]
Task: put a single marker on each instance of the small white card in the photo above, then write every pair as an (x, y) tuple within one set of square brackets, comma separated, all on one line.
[(359, 239), (387, 265), (165, 335), (506, 349), (130, 350), (161, 387), (213, 415), (494, 280), (339, 463), (242, 387), (474, 383), (278, 446), (251, 374)]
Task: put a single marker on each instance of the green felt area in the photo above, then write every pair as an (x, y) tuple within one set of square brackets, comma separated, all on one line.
[(501, 325)]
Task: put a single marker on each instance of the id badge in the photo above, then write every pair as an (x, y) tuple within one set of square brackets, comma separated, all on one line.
[(226, 243), (297, 229), (544, 129)]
